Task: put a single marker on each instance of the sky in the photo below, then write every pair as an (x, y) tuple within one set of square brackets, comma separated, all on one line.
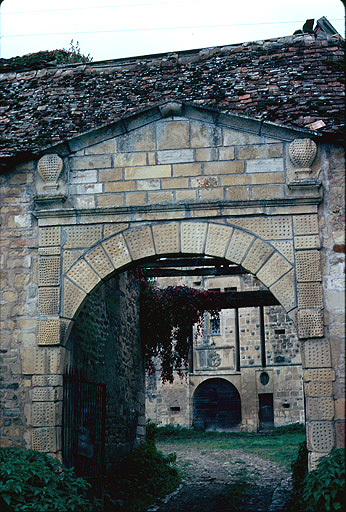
[(111, 29)]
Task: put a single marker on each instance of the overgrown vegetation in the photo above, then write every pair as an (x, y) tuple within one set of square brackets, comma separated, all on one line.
[(141, 477), (279, 446), (167, 317), (321, 490), (46, 58), (33, 481)]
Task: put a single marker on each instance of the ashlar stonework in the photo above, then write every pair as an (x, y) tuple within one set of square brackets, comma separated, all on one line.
[(168, 181)]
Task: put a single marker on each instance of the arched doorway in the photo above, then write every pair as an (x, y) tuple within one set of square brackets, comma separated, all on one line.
[(216, 405)]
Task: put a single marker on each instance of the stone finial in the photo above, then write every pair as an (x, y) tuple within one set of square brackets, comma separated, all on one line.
[(302, 153), (49, 168)]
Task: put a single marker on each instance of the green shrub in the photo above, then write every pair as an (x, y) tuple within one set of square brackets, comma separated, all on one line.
[(141, 477), (33, 481), (324, 488)]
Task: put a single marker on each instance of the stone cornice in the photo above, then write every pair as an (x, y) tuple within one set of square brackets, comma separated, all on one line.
[(185, 210)]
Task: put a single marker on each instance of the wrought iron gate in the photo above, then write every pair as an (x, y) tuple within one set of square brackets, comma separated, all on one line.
[(83, 432)]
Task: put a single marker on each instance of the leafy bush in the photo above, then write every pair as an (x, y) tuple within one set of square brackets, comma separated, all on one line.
[(45, 58), (33, 481), (141, 477), (324, 488)]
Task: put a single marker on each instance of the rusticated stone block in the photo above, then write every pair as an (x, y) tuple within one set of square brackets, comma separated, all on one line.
[(285, 248), (308, 266), (310, 295), (307, 242), (117, 250), (166, 238), (47, 380), (45, 414), (47, 394), (320, 436), (268, 228), (49, 237), (49, 251), (73, 298), (49, 271), (83, 275), (305, 224), (314, 459), (140, 242), (49, 300), (44, 440), (49, 332), (316, 354), (319, 374), (99, 261), (258, 254), (318, 389), (82, 236), (218, 238), (273, 269), (239, 245), (310, 324), (193, 235), (70, 257), (284, 291), (321, 408), (42, 361)]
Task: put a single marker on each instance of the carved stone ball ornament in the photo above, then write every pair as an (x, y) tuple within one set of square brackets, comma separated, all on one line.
[(49, 168), (302, 153)]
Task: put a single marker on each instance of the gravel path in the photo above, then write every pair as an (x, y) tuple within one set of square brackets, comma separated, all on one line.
[(225, 481)]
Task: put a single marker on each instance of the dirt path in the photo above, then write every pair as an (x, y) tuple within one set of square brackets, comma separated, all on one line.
[(225, 481)]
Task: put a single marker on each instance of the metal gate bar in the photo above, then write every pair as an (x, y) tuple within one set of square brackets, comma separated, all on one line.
[(83, 429)]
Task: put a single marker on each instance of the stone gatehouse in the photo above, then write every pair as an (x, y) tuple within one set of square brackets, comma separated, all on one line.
[(173, 179)]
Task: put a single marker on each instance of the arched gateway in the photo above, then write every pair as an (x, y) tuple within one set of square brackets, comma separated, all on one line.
[(177, 180)]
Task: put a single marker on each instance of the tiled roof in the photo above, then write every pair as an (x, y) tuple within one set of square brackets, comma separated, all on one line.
[(294, 81)]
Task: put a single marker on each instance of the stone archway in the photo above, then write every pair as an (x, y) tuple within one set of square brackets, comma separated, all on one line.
[(106, 254)]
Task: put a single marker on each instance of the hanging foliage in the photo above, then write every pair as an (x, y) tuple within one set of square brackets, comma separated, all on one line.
[(167, 317)]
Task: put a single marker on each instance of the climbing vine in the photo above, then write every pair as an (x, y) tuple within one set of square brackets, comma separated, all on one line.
[(167, 317)]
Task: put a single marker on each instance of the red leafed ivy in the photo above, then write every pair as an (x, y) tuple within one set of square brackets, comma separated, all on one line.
[(167, 317)]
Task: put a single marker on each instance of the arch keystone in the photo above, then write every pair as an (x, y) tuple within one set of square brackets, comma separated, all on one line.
[(218, 238), (193, 235), (166, 238)]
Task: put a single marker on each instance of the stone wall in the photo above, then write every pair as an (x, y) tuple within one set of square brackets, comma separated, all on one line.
[(282, 354), (176, 179), (105, 342)]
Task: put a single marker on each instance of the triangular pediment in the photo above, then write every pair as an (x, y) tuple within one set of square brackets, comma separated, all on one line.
[(247, 129)]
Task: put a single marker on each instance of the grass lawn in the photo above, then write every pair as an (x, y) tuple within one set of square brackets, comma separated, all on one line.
[(281, 446)]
